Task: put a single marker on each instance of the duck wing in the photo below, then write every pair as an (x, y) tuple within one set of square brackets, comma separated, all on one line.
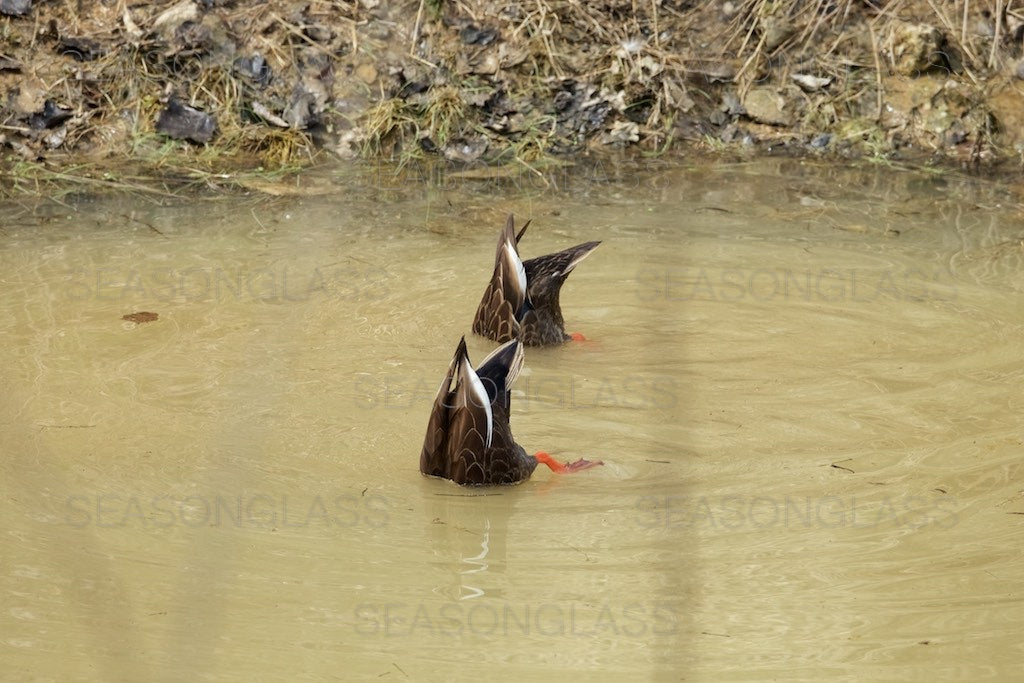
[(471, 430), (469, 439), (460, 429), (502, 459), (542, 324), (504, 300), (545, 274), (498, 371), (433, 458)]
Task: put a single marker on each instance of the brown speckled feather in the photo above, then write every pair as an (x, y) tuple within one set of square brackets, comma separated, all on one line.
[(432, 458), (542, 323), (497, 316), (534, 316), (468, 438)]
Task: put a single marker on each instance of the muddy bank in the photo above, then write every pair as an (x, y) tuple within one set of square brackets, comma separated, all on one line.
[(179, 88)]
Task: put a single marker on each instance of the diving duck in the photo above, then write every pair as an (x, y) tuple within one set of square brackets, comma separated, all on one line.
[(468, 436), (521, 300)]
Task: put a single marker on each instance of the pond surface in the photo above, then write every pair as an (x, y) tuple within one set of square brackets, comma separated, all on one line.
[(805, 383)]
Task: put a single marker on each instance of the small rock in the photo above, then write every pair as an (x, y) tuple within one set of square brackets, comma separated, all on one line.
[(473, 35), (299, 111), (317, 74), (621, 132), (130, 27), (821, 140), (56, 138), (777, 32), (487, 64), (348, 144), (193, 36), (465, 150), (594, 116), (731, 104), (650, 66), (563, 100), (617, 100), (810, 83), (24, 150), (936, 119), (957, 95), (367, 73), (50, 117), (428, 145), (480, 98), (916, 48), (510, 56), (28, 98), (170, 19), (677, 96), (734, 133), (15, 8), (893, 117), (254, 67), (956, 135), (183, 122), (765, 105)]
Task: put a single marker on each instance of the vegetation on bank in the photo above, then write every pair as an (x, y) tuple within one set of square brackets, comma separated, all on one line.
[(180, 92)]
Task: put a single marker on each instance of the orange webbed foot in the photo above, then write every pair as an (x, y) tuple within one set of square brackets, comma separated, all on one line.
[(576, 336), (565, 468)]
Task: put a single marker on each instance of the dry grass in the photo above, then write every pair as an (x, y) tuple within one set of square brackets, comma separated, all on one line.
[(388, 125), (558, 77), (117, 94)]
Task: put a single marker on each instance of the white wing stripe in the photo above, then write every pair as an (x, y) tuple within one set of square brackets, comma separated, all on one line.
[(476, 389), (513, 257), (575, 262)]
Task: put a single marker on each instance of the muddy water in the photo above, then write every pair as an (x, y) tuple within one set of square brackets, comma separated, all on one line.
[(805, 384)]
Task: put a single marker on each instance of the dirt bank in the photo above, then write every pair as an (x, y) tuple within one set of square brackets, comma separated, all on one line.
[(182, 88)]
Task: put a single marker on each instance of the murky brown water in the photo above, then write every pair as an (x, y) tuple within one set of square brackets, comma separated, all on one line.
[(806, 385)]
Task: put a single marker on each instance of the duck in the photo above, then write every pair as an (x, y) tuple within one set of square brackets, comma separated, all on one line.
[(469, 439), (522, 299)]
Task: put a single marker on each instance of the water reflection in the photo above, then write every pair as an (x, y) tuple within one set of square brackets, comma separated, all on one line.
[(479, 564)]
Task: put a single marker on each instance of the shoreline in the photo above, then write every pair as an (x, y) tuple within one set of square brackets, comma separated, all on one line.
[(186, 94)]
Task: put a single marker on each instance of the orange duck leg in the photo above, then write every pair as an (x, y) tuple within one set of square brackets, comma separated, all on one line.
[(568, 467)]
